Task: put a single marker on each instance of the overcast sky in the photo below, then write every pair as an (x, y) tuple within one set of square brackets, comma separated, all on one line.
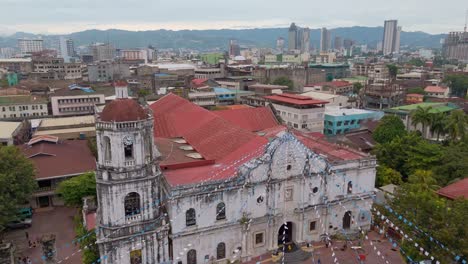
[(66, 16)]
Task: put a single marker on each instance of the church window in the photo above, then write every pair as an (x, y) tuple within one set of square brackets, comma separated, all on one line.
[(259, 238), (107, 149), (315, 190), (220, 211), (132, 204), (192, 257), (128, 147), (221, 251), (288, 167), (260, 199), (350, 187), (190, 217), (313, 226)]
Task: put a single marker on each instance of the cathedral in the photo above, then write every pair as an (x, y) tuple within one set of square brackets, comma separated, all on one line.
[(177, 183)]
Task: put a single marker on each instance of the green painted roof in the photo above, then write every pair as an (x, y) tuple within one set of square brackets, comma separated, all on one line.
[(436, 107)]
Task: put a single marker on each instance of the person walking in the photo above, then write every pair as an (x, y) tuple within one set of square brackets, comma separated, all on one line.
[(28, 260)]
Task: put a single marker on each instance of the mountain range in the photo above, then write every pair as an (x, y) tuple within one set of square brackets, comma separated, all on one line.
[(218, 39)]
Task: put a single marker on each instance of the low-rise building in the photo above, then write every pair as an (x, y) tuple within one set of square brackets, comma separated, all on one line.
[(437, 91), (77, 100), (107, 71), (18, 107), (334, 87), (404, 112), (203, 98), (267, 89), (224, 95), (333, 99), (13, 133), (414, 98), (209, 73), (55, 161), (21, 65), (74, 127), (456, 190), (298, 111), (343, 120)]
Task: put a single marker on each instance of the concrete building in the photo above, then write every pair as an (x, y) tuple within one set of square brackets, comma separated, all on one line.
[(107, 71), (299, 76), (298, 38), (414, 98), (66, 49), (76, 101), (334, 87), (301, 112), (456, 46), (212, 217), (404, 112), (325, 40), (234, 48), (391, 37), (20, 65), (203, 98), (64, 128), (209, 73), (280, 44), (332, 99), (19, 107), (7, 53), (343, 120), (338, 43), (437, 91), (55, 161), (134, 55), (9, 132), (30, 45), (102, 52)]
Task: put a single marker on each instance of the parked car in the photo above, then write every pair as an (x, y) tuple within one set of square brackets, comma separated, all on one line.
[(20, 223)]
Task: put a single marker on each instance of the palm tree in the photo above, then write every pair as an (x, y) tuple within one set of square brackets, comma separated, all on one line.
[(457, 125), (421, 116), (438, 124)]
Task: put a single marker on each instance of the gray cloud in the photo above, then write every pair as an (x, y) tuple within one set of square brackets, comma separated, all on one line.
[(63, 16)]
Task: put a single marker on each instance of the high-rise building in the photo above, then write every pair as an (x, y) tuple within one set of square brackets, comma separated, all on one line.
[(30, 45), (66, 49), (280, 44), (102, 52), (456, 46), (292, 37), (234, 48), (305, 44), (298, 38), (391, 37), (338, 44), (325, 40)]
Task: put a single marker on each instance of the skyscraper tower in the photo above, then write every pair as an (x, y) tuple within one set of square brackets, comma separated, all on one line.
[(391, 37), (292, 37), (325, 40), (131, 227)]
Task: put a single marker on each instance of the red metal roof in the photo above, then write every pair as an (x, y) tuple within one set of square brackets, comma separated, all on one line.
[(120, 83), (197, 82), (123, 110), (295, 99), (252, 119), (415, 95), (455, 190), (64, 158), (435, 89)]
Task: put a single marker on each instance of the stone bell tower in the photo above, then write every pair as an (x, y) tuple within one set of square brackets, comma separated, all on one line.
[(131, 227)]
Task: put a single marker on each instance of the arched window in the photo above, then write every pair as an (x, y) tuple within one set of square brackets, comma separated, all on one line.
[(347, 220), (132, 204), (220, 211), (221, 251), (192, 257), (107, 149), (350, 187), (190, 217)]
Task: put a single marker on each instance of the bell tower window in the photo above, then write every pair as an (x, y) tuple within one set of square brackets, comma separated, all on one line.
[(107, 149), (132, 204), (128, 147)]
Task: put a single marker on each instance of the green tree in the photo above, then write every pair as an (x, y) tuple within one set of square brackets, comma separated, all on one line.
[(416, 90), (418, 62), (16, 182), (422, 115), (87, 242), (424, 179), (393, 70), (357, 86), (389, 128), (453, 163), (456, 125), (75, 189), (438, 124), (386, 175), (284, 81), (458, 84)]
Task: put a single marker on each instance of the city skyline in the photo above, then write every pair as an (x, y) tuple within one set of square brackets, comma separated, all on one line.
[(38, 17)]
